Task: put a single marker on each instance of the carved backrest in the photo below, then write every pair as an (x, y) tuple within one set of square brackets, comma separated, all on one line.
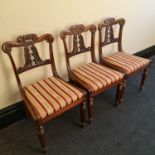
[(79, 46), (30, 53), (106, 33)]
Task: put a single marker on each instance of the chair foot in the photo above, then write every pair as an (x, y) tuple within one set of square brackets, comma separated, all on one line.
[(90, 120), (44, 150), (144, 75), (90, 110), (42, 139), (116, 104), (82, 114)]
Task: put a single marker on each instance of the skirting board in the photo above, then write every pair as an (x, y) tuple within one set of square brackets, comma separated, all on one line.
[(146, 53), (16, 112), (12, 114)]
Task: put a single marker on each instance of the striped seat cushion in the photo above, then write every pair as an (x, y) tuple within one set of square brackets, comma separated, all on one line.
[(95, 76), (126, 62), (51, 95)]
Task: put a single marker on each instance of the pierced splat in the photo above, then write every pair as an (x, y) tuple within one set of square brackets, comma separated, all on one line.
[(77, 33), (106, 32), (78, 44), (109, 35), (35, 55), (31, 55)]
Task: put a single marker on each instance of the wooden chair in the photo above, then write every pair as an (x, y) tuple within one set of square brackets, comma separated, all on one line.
[(49, 97), (121, 61), (92, 77)]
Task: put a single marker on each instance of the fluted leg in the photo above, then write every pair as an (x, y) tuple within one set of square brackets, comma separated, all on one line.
[(90, 109), (82, 113), (144, 75), (41, 135)]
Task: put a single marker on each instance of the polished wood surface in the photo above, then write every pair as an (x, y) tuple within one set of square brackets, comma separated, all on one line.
[(32, 60), (106, 31), (77, 33)]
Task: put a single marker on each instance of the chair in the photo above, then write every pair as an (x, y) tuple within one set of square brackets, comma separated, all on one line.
[(92, 77), (121, 61), (48, 97)]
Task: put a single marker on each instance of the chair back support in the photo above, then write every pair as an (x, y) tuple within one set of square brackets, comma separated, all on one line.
[(106, 38), (79, 46), (30, 53)]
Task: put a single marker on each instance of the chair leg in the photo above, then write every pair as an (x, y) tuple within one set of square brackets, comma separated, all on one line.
[(90, 109), (120, 93), (42, 139), (27, 112), (82, 114), (144, 75)]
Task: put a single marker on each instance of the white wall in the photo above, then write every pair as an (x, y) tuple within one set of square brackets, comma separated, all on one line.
[(20, 17)]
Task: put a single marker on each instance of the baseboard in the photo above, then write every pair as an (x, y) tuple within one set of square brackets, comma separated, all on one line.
[(16, 112), (146, 53), (12, 114)]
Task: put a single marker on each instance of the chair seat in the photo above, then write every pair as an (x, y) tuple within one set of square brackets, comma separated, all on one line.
[(50, 95), (125, 62), (94, 76)]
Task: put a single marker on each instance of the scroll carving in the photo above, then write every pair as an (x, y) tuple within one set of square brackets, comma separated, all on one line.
[(107, 26), (30, 52), (31, 55), (77, 29)]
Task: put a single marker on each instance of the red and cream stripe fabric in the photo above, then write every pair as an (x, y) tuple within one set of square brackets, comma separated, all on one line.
[(128, 63), (95, 76), (50, 95)]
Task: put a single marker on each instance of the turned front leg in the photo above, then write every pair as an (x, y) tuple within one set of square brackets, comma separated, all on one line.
[(42, 139), (144, 75), (82, 113), (90, 109)]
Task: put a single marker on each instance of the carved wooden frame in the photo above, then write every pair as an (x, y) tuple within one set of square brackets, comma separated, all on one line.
[(78, 30), (109, 38), (108, 24), (33, 60)]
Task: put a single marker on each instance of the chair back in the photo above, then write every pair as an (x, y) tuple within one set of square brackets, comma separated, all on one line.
[(106, 33), (30, 54), (76, 32)]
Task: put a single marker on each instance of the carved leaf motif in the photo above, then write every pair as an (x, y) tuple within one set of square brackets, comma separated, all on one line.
[(81, 42), (27, 57), (75, 44), (36, 56), (78, 44), (109, 35)]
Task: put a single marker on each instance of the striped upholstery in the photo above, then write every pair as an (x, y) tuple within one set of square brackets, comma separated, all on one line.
[(126, 62), (50, 95), (95, 76)]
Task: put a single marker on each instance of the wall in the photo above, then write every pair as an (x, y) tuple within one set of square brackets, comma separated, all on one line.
[(19, 17)]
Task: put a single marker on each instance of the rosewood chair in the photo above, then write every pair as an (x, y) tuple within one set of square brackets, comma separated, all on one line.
[(92, 77), (121, 61), (48, 97)]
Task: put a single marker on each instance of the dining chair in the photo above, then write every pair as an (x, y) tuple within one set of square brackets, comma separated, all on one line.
[(93, 77), (119, 60), (49, 97)]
